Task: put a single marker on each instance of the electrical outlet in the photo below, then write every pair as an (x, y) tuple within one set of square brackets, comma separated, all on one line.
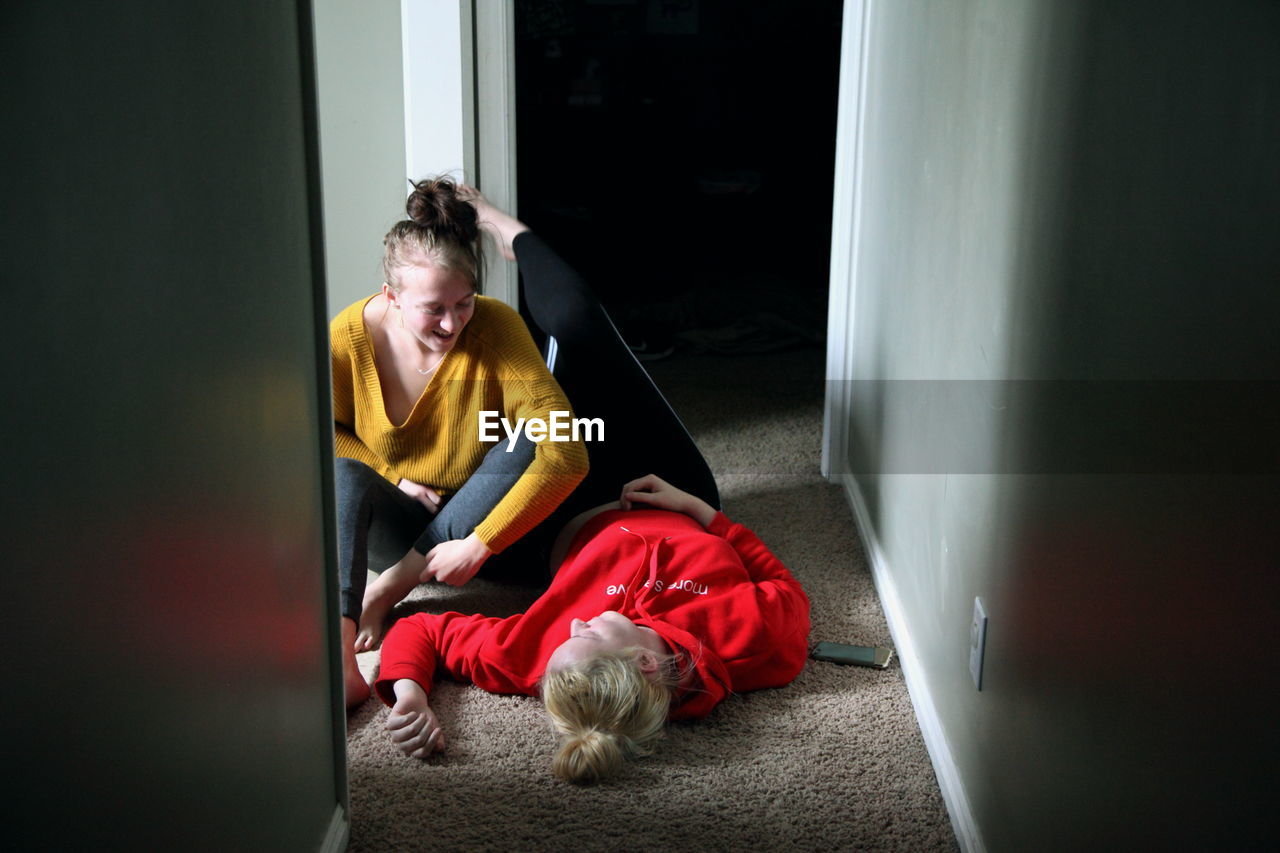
[(977, 642)]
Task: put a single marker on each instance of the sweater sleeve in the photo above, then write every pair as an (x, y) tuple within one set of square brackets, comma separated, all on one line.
[(421, 645), (530, 391), (345, 441)]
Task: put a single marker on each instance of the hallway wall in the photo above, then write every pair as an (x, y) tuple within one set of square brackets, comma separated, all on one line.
[(360, 89), (394, 98), (1062, 313), (170, 671)]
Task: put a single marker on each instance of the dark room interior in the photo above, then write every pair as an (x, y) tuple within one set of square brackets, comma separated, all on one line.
[(657, 139)]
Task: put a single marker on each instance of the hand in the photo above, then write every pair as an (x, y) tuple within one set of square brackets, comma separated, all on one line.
[(455, 562), (412, 725), (424, 495), (655, 492)]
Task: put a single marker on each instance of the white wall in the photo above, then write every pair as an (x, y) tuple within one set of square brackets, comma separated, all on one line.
[(359, 73), (397, 102), (438, 98), (1048, 203)]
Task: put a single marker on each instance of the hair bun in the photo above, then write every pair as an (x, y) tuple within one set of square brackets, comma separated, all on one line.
[(435, 205), (598, 740), (589, 756)]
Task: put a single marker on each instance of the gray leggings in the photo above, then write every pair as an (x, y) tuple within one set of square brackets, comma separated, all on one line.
[(378, 523)]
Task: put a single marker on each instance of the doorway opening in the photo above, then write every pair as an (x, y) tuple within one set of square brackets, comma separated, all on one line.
[(680, 153)]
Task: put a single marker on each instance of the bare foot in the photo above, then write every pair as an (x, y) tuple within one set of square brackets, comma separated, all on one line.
[(388, 590), (356, 688), (501, 225)]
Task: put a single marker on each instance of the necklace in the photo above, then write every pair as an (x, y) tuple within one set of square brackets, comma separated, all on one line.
[(422, 371)]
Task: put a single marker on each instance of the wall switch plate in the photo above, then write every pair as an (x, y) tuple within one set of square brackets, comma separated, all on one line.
[(977, 642)]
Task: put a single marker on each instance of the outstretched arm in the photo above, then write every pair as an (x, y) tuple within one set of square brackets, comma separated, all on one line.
[(421, 644)]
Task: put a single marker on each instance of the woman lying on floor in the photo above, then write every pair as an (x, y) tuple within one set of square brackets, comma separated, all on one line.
[(659, 607)]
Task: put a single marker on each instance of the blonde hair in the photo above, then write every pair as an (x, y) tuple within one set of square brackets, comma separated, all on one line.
[(606, 710), (442, 231)]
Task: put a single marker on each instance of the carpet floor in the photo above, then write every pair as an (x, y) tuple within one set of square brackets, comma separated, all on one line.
[(835, 761)]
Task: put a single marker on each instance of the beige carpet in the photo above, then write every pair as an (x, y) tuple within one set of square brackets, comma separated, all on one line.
[(833, 762)]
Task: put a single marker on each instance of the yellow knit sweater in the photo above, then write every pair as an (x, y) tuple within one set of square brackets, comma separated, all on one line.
[(493, 366)]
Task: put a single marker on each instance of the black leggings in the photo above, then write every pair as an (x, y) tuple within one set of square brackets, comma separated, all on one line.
[(602, 379), (378, 523)]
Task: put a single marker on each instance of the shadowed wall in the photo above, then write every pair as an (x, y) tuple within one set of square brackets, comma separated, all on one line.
[(168, 667), (1065, 309)]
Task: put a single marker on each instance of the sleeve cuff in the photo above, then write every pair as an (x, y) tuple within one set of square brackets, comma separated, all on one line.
[(720, 524), (385, 685)]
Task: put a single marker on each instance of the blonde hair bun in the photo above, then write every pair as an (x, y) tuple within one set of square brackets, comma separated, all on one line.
[(605, 710), (588, 757)]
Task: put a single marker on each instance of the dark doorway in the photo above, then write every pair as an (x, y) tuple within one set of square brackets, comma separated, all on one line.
[(680, 153)]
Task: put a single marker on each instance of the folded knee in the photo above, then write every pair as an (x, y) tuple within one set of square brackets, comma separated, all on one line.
[(350, 472)]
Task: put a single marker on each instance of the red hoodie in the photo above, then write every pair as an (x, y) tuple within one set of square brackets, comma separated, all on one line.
[(716, 594)]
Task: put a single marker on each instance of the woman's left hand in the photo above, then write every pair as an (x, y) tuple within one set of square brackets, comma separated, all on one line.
[(455, 562), (655, 492)]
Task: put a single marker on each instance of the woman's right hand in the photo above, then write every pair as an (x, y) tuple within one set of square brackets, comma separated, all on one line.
[(412, 725), (424, 495)]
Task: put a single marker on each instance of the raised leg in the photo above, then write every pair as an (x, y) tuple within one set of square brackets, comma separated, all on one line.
[(642, 434)]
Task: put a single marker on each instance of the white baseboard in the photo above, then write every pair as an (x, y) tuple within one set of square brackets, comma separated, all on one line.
[(335, 840), (935, 739)]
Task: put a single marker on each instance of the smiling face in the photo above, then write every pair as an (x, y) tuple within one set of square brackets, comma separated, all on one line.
[(610, 631), (436, 304)]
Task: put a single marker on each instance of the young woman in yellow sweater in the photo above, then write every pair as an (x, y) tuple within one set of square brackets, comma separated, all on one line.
[(416, 366)]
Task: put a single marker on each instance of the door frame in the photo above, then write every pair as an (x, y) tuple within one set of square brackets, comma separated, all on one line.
[(460, 105), (492, 60), (845, 219)]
